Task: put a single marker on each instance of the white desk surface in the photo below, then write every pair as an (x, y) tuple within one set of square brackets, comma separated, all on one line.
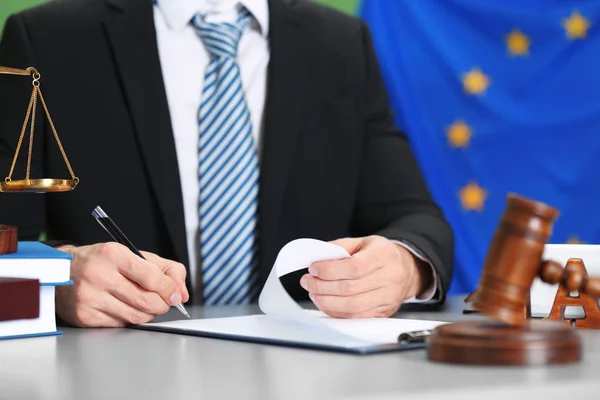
[(90, 364)]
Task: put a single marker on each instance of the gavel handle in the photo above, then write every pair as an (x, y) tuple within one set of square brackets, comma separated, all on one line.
[(573, 276)]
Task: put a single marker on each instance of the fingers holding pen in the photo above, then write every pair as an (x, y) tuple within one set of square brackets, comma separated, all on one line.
[(174, 270), (112, 287), (151, 278), (134, 295)]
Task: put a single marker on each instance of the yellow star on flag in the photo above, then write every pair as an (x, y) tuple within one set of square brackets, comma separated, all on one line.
[(459, 134), (475, 81), (472, 197), (517, 43), (574, 239), (576, 26)]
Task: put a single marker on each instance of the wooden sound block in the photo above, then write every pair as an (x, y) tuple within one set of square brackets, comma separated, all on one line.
[(8, 239), (495, 343)]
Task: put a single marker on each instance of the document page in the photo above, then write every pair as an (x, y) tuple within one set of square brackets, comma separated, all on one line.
[(286, 321)]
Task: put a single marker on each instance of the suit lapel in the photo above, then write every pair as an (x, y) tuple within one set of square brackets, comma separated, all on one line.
[(132, 35), (286, 75)]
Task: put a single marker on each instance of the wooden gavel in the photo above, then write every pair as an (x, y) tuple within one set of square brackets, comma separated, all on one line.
[(515, 259), (510, 336)]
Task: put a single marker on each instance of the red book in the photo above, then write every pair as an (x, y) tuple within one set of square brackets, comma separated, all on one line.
[(19, 299)]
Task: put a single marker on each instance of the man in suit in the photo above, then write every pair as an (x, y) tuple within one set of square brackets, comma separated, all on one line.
[(214, 132)]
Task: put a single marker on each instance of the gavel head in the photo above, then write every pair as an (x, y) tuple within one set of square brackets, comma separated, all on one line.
[(514, 259)]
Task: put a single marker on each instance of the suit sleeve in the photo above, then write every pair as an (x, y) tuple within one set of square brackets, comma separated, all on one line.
[(393, 198), (23, 210)]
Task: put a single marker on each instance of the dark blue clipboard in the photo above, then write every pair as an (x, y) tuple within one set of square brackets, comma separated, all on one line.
[(375, 349)]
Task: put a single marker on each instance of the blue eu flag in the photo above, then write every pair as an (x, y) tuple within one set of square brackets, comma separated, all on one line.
[(497, 96)]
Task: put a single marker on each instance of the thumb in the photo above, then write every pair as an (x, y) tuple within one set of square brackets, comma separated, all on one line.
[(174, 270), (351, 245)]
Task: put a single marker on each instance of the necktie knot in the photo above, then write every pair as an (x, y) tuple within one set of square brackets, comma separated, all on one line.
[(221, 39)]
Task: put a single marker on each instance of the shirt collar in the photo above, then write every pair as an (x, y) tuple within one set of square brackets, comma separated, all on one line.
[(178, 13)]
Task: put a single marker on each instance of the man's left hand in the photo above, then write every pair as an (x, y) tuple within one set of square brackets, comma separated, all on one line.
[(373, 282)]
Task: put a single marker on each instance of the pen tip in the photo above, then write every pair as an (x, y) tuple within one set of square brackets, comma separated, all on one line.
[(182, 310)]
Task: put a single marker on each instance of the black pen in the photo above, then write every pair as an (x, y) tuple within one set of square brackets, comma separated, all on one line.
[(117, 234)]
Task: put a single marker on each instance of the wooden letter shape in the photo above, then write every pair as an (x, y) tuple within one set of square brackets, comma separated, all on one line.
[(576, 274)]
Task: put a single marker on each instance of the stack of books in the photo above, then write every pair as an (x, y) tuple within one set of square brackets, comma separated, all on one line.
[(28, 280)]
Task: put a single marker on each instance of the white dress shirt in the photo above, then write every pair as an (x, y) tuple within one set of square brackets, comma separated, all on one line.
[(183, 60)]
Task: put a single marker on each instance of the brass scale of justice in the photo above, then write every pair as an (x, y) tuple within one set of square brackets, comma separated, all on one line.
[(39, 185)]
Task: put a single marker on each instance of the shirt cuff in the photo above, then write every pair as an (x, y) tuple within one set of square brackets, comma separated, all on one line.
[(430, 294)]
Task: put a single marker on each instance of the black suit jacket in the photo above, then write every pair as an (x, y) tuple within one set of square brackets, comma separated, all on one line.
[(333, 163)]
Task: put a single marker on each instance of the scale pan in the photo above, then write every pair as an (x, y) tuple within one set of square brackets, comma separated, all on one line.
[(39, 185)]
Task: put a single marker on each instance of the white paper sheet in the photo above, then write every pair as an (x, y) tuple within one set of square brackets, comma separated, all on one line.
[(285, 320), (298, 254)]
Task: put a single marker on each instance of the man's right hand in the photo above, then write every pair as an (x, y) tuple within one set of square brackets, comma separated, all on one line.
[(113, 287)]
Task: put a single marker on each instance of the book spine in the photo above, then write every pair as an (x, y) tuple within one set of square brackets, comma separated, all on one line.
[(19, 298)]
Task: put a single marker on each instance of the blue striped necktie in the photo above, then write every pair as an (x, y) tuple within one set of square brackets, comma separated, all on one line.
[(228, 171)]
